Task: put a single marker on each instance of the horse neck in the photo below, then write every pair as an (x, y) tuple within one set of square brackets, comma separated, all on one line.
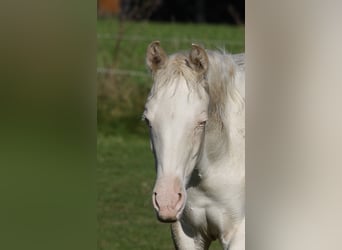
[(224, 135), (223, 150)]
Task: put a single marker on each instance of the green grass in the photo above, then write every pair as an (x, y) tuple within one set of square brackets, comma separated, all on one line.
[(125, 172), (125, 178)]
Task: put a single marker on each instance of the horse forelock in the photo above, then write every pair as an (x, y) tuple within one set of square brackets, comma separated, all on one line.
[(218, 82), (171, 74)]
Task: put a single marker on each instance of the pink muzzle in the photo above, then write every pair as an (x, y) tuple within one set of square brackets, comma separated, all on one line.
[(168, 198)]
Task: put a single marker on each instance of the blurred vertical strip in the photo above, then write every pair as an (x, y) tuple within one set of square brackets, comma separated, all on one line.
[(294, 125), (48, 125)]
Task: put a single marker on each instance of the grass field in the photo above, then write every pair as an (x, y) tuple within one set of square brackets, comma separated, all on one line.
[(125, 172), (125, 178)]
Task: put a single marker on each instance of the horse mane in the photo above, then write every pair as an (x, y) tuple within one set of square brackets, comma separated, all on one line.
[(219, 82), (222, 84), (176, 67), (224, 93)]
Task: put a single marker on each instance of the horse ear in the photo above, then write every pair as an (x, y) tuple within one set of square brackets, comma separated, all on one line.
[(155, 56), (199, 58)]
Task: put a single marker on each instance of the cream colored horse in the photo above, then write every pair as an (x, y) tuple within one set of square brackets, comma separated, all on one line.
[(196, 116)]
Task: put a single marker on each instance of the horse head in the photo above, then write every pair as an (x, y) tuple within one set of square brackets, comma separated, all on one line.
[(176, 113)]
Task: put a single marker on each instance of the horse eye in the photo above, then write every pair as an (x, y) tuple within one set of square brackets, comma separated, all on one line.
[(147, 121), (202, 123)]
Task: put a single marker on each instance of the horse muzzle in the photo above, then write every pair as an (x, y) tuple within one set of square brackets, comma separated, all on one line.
[(168, 199)]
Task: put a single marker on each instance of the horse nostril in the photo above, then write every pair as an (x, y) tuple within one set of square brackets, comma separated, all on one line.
[(155, 202), (179, 202)]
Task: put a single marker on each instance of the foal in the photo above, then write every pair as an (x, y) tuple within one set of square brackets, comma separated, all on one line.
[(196, 116)]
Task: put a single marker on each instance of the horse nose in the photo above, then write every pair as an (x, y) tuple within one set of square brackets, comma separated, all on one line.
[(168, 206), (176, 206)]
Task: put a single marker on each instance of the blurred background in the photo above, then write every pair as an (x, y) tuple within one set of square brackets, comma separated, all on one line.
[(125, 173)]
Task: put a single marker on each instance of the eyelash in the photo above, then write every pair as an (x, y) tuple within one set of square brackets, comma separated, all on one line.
[(202, 124)]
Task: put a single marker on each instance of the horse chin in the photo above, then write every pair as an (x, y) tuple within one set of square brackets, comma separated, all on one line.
[(168, 218)]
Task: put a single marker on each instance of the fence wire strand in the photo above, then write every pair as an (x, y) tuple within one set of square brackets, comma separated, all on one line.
[(166, 39), (134, 73), (111, 71)]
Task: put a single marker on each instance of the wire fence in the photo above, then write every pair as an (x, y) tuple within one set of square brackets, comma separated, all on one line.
[(136, 38), (167, 39), (112, 71)]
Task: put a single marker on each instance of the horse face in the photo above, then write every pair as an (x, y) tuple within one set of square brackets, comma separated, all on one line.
[(177, 119), (176, 115)]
